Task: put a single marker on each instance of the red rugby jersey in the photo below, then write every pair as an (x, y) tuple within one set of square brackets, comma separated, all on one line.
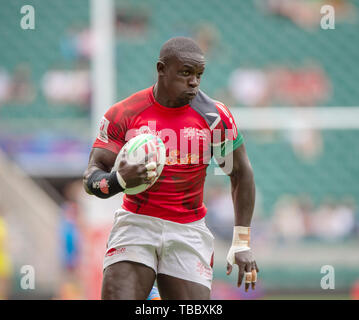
[(190, 133)]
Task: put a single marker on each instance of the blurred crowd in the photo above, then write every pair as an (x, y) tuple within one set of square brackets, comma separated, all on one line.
[(16, 87), (296, 218), (293, 218), (304, 13), (279, 85), (65, 83)]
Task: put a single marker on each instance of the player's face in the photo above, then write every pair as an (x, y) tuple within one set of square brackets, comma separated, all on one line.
[(183, 76)]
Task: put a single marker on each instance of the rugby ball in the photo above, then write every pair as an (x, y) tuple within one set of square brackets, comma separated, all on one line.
[(135, 151)]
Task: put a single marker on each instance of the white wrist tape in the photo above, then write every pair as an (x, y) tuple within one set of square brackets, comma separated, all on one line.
[(240, 242), (120, 180)]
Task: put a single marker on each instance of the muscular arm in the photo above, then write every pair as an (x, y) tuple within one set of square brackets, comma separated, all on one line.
[(105, 184), (243, 195), (242, 186)]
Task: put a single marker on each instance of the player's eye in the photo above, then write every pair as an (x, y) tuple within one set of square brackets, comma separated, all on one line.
[(185, 73)]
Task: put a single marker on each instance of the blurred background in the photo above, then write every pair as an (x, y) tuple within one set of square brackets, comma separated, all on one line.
[(291, 85)]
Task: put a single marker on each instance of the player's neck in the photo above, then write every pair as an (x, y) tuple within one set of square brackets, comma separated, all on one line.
[(162, 98)]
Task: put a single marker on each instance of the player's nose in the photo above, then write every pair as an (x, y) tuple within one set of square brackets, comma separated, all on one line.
[(193, 82)]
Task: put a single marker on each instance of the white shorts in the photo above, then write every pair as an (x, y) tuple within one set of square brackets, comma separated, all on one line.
[(183, 251)]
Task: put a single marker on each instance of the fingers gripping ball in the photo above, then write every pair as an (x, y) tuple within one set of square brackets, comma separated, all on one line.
[(144, 148)]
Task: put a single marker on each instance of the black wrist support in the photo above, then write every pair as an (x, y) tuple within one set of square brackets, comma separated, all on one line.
[(103, 184)]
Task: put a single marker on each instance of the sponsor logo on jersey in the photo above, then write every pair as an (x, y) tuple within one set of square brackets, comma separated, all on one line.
[(188, 134), (175, 157), (191, 133)]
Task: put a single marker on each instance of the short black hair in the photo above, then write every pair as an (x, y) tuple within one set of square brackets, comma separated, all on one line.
[(179, 45)]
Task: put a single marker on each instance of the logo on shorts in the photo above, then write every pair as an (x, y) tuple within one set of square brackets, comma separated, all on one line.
[(113, 251), (204, 270)]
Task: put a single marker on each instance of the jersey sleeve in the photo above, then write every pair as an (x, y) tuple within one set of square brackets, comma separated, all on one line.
[(226, 136), (112, 133)]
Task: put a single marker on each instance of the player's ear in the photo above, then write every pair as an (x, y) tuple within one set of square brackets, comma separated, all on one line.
[(161, 68)]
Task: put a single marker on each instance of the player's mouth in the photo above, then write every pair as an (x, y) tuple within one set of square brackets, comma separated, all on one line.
[(191, 94)]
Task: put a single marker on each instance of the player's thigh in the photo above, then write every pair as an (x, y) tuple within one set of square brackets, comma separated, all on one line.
[(172, 288), (127, 280), (185, 263)]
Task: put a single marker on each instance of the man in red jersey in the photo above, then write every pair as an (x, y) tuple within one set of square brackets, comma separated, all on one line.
[(161, 233)]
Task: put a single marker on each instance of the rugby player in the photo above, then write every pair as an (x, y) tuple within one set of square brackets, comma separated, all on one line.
[(160, 234)]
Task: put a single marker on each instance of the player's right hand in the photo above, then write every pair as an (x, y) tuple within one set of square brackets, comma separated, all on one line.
[(135, 174)]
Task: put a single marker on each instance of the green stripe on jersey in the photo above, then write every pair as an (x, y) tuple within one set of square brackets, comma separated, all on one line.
[(229, 145)]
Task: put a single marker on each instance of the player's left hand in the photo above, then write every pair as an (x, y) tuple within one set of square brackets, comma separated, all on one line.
[(247, 269)]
